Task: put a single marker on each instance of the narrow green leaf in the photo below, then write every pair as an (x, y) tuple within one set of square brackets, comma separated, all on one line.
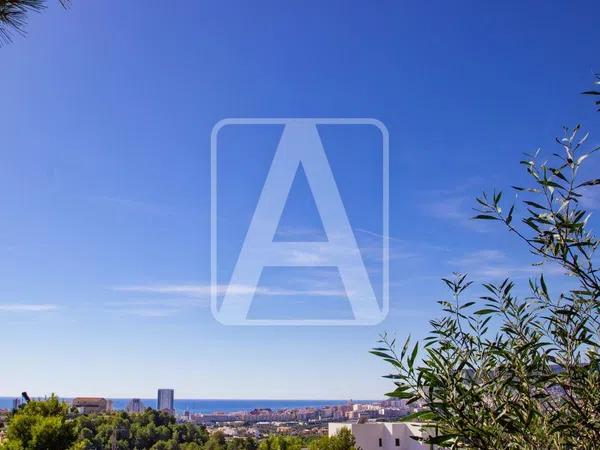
[(485, 217), (590, 183)]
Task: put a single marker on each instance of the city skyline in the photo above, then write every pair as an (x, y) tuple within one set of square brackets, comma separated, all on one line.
[(105, 179), (253, 411)]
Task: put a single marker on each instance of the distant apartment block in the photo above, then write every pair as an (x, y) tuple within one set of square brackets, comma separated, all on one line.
[(135, 405), (362, 414), (166, 400), (91, 405), (384, 436), (16, 403)]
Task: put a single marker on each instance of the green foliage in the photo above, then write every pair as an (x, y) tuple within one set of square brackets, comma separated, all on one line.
[(216, 441), (510, 372), (13, 15), (41, 425), (190, 446), (343, 440), (242, 444), (51, 425), (595, 92), (277, 442)]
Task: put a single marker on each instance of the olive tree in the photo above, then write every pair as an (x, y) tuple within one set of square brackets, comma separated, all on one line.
[(510, 371)]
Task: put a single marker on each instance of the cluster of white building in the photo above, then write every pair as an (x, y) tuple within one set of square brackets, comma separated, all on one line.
[(266, 415), (389, 410)]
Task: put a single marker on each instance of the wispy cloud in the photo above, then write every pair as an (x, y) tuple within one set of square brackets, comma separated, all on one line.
[(27, 307), (405, 248), (300, 233), (177, 299), (155, 307), (378, 235), (196, 290), (193, 290), (478, 258), (150, 312), (455, 204), (456, 209), (308, 279), (129, 204), (495, 264), (160, 302), (373, 248), (370, 244)]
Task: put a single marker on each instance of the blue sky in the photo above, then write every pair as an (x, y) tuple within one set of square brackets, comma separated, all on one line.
[(106, 117)]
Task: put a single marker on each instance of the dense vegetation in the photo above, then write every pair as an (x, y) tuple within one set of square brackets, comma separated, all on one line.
[(344, 440), (53, 425), (512, 371)]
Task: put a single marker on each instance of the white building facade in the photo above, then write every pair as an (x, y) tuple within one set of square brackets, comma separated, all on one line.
[(384, 435)]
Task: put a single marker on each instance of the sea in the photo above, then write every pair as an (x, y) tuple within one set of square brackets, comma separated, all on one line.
[(206, 406)]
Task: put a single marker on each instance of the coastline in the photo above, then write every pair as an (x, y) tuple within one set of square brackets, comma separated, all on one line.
[(211, 406)]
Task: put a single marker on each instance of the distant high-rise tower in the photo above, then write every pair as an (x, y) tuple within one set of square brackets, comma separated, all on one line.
[(135, 405), (16, 403), (166, 399)]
